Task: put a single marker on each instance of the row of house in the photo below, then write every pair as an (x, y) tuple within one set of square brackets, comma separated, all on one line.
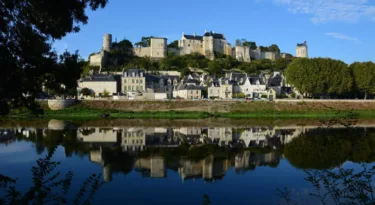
[(139, 84)]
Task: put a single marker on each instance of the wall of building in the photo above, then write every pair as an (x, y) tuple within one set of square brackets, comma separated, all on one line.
[(158, 48), (301, 52), (242, 53), (213, 92), (97, 59), (99, 86), (136, 83), (194, 94), (142, 52), (189, 46), (226, 91)]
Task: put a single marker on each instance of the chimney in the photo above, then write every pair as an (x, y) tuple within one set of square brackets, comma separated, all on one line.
[(195, 34), (183, 33)]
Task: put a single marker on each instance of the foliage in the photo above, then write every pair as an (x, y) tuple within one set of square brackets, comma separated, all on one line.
[(63, 77), (48, 186), (85, 92), (173, 44), (145, 42), (105, 93), (364, 77), (28, 29), (238, 95), (244, 42), (319, 76)]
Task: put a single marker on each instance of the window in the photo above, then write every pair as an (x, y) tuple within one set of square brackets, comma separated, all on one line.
[(124, 80), (129, 87), (136, 81), (191, 92), (140, 81), (197, 91), (133, 81), (125, 88)]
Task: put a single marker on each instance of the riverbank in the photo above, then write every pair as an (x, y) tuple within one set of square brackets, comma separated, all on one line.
[(208, 109)]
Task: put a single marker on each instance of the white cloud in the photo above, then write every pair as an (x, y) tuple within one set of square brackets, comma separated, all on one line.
[(343, 37), (331, 10)]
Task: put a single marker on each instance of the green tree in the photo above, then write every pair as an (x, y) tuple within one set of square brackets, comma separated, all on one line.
[(28, 29), (86, 92), (62, 77), (274, 48), (319, 76), (364, 77), (145, 42), (173, 44)]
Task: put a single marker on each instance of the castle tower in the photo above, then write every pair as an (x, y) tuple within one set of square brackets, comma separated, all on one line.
[(107, 42), (158, 47), (302, 50)]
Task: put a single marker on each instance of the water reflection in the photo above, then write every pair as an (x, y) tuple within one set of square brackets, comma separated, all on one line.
[(200, 152)]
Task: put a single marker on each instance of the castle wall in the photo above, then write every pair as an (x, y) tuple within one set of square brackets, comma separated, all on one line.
[(190, 46), (158, 48), (242, 53), (97, 59), (142, 52), (301, 52)]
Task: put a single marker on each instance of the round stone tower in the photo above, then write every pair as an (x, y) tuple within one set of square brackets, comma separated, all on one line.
[(107, 42)]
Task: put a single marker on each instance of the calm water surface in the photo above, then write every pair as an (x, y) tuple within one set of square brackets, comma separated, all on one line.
[(177, 164)]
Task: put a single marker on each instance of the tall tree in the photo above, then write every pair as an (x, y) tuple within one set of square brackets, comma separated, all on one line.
[(173, 44), (364, 77), (145, 42), (27, 30), (319, 76)]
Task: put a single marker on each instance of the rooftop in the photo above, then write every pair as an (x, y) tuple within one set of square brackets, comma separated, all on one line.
[(100, 77)]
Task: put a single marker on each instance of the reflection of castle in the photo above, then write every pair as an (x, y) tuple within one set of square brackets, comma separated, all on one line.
[(153, 167), (247, 160), (209, 168)]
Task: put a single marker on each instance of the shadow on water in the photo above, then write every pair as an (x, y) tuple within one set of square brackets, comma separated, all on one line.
[(199, 152)]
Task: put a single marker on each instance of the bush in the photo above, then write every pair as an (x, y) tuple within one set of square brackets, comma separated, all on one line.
[(86, 92), (105, 93), (293, 95), (238, 95), (264, 96)]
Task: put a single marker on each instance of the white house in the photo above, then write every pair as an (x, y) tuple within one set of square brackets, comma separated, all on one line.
[(99, 83), (252, 87)]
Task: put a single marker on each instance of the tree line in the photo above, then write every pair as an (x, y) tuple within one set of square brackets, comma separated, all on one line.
[(325, 77)]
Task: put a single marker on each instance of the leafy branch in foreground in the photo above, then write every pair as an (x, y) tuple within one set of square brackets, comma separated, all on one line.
[(48, 186)]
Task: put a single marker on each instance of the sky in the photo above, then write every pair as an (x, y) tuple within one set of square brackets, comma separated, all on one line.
[(339, 29)]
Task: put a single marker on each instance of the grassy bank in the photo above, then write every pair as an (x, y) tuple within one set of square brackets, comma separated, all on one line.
[(202, 110), (89, 113)]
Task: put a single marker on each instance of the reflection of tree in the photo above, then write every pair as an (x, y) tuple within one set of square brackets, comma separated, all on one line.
[(339, 186), (326, 149), (48, 186)]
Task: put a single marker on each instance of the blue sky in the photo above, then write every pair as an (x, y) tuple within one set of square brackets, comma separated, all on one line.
[(340, 29)]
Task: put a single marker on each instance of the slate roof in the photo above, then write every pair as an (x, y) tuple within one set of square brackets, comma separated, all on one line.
[(99, 78), (302, 44), (134, 70), (275, 80), (254, 79), (215, 35), (192, 37)]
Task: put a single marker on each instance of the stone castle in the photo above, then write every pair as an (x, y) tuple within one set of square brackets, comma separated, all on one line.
[(207, 45)]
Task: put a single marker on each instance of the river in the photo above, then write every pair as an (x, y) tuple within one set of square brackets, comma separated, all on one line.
[(191, 161)]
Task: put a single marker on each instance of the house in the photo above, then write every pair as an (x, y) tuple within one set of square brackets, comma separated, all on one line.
[(162, 84), (221, 89), (252, 86), (99, 84), (278, 83), (188, 89), (133, 80)]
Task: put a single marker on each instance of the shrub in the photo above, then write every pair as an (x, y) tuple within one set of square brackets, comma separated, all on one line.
[(105, 93), (86, 92)]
